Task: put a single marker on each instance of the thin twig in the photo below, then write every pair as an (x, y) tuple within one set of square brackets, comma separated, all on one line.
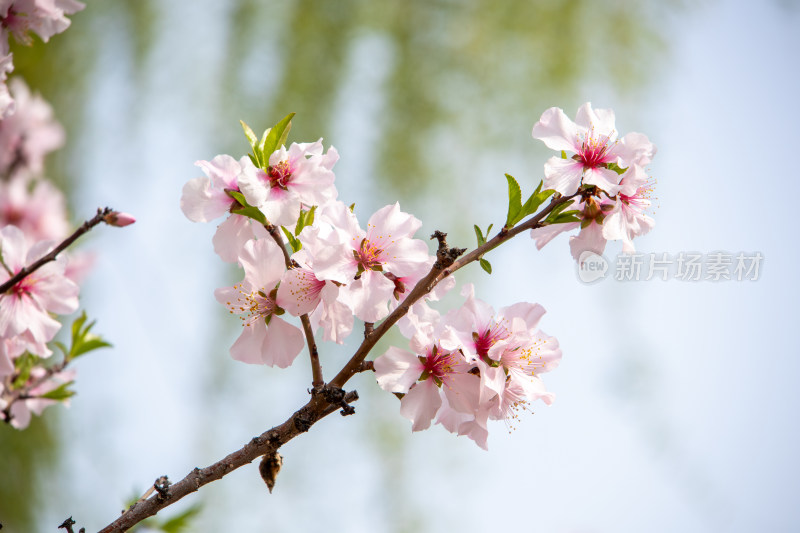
[(268, 442), (317, 380), (28, 270), (331, 397)]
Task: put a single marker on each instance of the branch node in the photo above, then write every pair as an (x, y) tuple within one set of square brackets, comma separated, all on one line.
[(67, 524), (162, 488), (366, 366), (303, 421), (445, 256)]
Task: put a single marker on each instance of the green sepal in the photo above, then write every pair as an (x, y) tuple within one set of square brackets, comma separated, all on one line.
[(564, 218), (486, 265), (245, 209), (59, 393), (274, 137), (563, 154), (294, 242), (514, 202), (352, 206)]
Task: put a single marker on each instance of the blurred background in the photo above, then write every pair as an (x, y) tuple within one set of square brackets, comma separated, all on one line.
[(676, 401)]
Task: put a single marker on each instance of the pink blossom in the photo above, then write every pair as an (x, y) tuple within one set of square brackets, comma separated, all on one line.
[(35, 206), (266, 338), (26, 308), (627, 219), (509, 352), (427, 375), (592, 138), (301, 176), (205, 199), (29, 134), (301, 292), (368, 263)]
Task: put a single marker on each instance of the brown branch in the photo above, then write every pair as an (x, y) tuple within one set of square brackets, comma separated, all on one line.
[(266, 443), (30, 269), (317, 380), (327, 398)]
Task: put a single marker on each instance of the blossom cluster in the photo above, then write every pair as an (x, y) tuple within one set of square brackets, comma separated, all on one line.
[(606, 174), (470, 366), (465, 368), (33, 219), (338, 271)]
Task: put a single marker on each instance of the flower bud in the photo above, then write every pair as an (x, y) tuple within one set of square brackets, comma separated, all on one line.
[(115, 218)]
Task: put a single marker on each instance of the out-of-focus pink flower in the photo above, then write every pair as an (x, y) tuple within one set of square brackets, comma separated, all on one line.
[(29, 134), (6, 67), (265, 338), (301, 176), (35, 206), (44, 17), (21, 410), (25, 309)]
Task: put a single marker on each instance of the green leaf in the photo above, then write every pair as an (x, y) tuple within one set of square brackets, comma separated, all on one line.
[(352, 206), (83, 340), (293, 241), (250, 134), (514, 202), (251, 212), (182, 521), (486, 265), (535, 201), (90, 342), (59, 393), (563, 154), (479, 235), (306, 219), (23, 365), (274, 137)]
